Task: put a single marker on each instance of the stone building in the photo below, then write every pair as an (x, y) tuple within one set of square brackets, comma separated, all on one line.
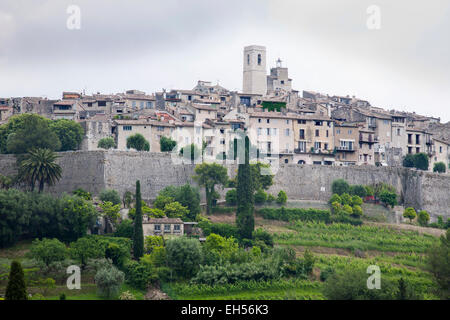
[(278, 80), (313, 140), (346, 137), (162, 226), (255, 73)]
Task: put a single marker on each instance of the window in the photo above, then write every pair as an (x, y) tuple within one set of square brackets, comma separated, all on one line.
[(259, 120), (176, 227), (222, 141), (167, 228), (338, 131), (149, 104), (259, 131), (274, 131), (102, 103), (160, 128), (222, 131), (417, 139), (318, 123), (350, 131), (409, 138), (417, 150), (133, 104), (327, 134), (409, 150), (157, 227), (287, 132), (398, 132), (198, 130), (141, 105), (259, 59), (248, 59), (268, 131), (317, 145), (325, 146), (282, 81), (287, 121), (127, 128), (302, 134), (268, 120), (286, 161), (301, 121), (317, 133), (440, 149), (302, 146)]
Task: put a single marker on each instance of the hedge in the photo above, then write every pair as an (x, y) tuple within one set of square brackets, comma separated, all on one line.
[(223, 209), (289, 214)]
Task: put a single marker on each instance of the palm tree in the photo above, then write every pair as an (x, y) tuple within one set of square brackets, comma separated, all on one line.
[(40, 167)]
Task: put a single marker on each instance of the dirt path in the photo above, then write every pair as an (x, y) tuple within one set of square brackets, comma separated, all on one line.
[(421, 230)]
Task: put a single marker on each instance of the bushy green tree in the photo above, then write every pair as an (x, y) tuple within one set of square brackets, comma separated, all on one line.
[(388, 198), (346, 199), (82, 194), (262, 176), (28, 131), (423, 218), (16, 288), (356, 200), (138, 235), (439, 167), (408, 161), (184, 256), (110, 211), (282, 197), (106, 143), (175, 210), (357, 211), (409, 213), (421, 161), (187, 195), (69, 132), (167, 144), (209, 175), (358, 190), (128, 198), (110, 195), (125, 229), (86, 248), (340, 186), (260, 196), (138, 142), (109, 281), (48, 251)]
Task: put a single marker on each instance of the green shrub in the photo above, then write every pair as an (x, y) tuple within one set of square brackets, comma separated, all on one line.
[(110, 196), (117, 254), (408, 161), (138, 275), (335, 198), (356, 200), (124, 229), (223, 229), (109, 281), (231, 197), (260, 196), (421, 161), (184, 256), (106, 143), (358, 190), (271, 198), (347, 209), (82, 194), (340, 186), (264, 236), (346, 199), (388, 198), (439, 167), (225, 210), (357, 211), (282, 197), (369, 191), (423, 218), (292, 214)]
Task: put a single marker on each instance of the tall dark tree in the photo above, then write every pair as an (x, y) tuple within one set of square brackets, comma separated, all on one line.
[(16, 288), (244, 216), (209, 175), (138, 235)]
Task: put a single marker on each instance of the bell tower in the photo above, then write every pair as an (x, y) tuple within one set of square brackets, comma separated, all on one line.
[(255, 76)]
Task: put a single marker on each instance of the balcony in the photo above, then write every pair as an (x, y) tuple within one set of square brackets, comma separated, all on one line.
[(430, 142), (368, 139), (345, 149)]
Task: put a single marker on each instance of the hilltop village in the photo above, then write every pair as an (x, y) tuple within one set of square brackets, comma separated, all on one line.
[(284, 124)]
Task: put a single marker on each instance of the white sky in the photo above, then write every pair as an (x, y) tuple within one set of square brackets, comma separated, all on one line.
[(150, 45)]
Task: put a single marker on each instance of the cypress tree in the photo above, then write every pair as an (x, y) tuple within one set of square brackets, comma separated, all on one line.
[(138, 234), (245, 220), (16, 289)]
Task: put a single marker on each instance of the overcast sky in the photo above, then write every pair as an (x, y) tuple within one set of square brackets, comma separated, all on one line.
[(151, 44)]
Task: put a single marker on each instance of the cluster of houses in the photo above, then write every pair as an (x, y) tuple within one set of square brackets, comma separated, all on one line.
[(283, 125)]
